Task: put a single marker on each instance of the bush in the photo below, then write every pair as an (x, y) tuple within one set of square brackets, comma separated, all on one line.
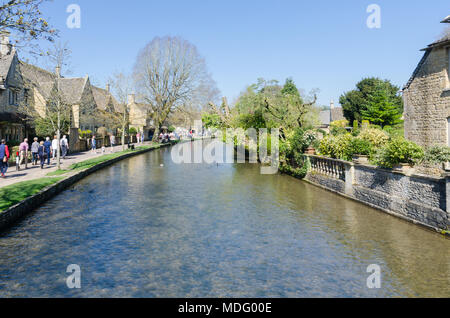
[(437, 154), (360, 146), (376, 137), (399, 150), (337, 147), (132, 131)]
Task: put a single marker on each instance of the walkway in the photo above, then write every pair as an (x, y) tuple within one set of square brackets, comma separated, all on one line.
[(35, 172)]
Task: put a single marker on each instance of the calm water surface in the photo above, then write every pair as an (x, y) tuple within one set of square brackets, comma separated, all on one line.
[(137, 229)]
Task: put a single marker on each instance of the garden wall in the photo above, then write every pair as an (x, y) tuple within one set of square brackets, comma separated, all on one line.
[(416, 198)]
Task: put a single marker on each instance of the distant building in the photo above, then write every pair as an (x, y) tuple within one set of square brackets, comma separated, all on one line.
[(427, 96), (326, 117), (140, 117), (12, 127)]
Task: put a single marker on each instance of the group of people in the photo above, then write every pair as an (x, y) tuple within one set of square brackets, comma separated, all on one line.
[(140, 138), (43, 150)]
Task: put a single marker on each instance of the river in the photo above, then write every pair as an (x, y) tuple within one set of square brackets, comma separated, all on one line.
[(147, 227)]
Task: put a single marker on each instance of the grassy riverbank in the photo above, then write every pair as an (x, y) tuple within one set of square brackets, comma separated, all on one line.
[(18, 192)]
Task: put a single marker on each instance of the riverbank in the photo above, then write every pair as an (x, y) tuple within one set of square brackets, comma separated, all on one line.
[(20, 199)]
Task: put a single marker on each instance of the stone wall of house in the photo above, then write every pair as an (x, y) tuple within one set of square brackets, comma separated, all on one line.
[(427, 101), (417, 198)]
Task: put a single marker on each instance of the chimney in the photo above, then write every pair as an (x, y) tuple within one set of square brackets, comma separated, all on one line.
[(108, 87), (332, 104), (58, 71), (5, 46), (131, 99)]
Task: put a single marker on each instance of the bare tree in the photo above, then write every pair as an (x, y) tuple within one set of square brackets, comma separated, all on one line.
[(122, 87), (24, 19), (169, 72)]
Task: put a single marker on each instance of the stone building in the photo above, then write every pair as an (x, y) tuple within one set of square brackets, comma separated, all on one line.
[(12, 127), (140, 117), (108, 107), (326, 117), (427, 96)]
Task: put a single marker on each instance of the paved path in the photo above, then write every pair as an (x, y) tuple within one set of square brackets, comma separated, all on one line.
[(35, 172)]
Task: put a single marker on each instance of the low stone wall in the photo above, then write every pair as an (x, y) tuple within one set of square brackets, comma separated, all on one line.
[(18, 211), (416, 198)]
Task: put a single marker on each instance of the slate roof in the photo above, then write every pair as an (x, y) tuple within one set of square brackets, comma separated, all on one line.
[(5, 64), (325, 117), (72, 89), (337, 114), (103, 98)]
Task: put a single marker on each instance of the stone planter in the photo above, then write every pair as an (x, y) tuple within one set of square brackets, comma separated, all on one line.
[(446, 166), (362, 159), (405, 168), (310, 151)]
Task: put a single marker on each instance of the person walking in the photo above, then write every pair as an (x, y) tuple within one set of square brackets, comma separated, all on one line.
[(142, 138), (4, 157), (35, 151), (48, 149), (64, 146), (41, 154), (112, 140), (94, 144), (138, 137), (55, 147), (23, 150)]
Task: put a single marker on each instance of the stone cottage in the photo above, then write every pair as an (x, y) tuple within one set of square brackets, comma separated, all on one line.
[(326, 117), (12, 127), (427, 96), (140, 117)]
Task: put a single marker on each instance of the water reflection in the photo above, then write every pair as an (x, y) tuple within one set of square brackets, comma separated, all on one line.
[(141, 230)]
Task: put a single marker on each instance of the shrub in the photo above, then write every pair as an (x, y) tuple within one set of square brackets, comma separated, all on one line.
[(376, 137), (326, 146), (399, 150), (337, 147), (360, 146), (132, 131), (437, 154)]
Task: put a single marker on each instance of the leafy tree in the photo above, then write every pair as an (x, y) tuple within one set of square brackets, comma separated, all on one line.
[(382, 107), (354, 102), (24, 20)]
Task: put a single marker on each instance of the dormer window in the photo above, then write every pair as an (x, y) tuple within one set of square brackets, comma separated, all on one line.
[(13, 97)]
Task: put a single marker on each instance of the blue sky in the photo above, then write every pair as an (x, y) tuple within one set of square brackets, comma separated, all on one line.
[(321, 44)]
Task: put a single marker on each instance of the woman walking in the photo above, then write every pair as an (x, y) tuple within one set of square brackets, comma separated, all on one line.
[(41, 154), (4, 157)]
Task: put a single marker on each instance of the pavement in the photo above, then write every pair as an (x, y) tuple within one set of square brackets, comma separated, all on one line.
[(35, 172)]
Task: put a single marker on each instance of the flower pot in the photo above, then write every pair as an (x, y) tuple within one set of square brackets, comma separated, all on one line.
[(404, 168), (310, 151), (362, 159)]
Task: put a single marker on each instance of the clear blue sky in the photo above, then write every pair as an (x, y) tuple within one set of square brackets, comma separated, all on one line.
[(321, 44)]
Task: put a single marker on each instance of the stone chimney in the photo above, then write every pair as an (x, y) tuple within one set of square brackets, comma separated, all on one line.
[(131, 99), (5, 46), (332, 104), (108, 87), (58, 71)]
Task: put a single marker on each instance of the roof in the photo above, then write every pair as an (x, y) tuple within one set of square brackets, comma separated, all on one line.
[(72, 89), (35, 74), (325, 117), (5, 63), (337, 114), (446, 19), (416, 71)]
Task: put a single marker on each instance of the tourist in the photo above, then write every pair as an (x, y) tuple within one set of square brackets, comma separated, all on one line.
[(35, 151), (55, 147), (142, 138), (93, 144), (4, 157), (138, 137), (41, 154), (112, 140), (64, 146), (48, 149), (23, 150)]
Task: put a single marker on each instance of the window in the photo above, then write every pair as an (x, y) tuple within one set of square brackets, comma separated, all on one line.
[(13, 97)]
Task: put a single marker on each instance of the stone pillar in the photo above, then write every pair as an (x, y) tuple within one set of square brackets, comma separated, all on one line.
[(447, 192), (350, 179), (73, 134)]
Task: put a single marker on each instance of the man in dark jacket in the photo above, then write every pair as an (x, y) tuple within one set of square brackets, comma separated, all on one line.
[(4, 157), (48, 151)]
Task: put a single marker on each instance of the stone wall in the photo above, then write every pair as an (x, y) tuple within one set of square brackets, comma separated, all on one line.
[(427, 100), (416, 198)]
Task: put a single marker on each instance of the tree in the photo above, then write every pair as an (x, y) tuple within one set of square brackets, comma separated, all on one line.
[(382, 107), (353, 102), (122, 87), (168, 73), (24, 19)]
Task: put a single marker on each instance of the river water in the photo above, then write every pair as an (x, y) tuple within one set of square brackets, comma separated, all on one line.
[(139, 229)]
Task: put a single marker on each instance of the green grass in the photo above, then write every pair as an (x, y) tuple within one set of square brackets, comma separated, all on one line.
[(15, 193), (95, 161)]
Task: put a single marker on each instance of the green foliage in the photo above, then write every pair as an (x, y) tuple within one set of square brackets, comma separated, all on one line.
[(355, 102), (437, 154), (337, 147), (132, 131), (399, 150), (378, 138), (171, 128), (360, 146), (44, 127), (13, 194), (211, 120), (382, 106), (395, 131), (85, 134)]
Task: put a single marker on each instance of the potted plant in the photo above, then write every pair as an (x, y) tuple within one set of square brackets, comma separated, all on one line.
[(361, 150), (400, 154), (438, 154)]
